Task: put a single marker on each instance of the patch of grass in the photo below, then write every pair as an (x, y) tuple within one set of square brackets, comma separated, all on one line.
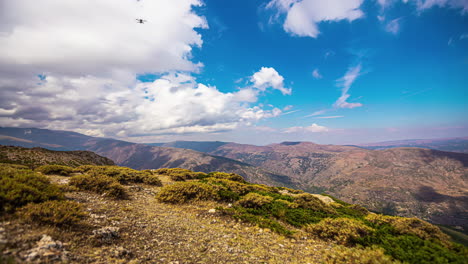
[(263, 222), (55, 213), (99, 184), (182, 192), (55, 170), (345, 255), (20, 186), (254, 200), (345, 231)]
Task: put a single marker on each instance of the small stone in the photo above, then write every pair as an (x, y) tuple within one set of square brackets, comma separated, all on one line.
[(212, 211)]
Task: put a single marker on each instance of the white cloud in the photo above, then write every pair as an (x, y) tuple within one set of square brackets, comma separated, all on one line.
[(345, 82), (98, 37), (268, 77), (393, 26), (89, 53), (426, 4), (174, 103), (314, 128), (316, 74), (303, 17)]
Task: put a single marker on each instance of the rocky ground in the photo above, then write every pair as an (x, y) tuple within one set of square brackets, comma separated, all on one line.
[(142, 230)]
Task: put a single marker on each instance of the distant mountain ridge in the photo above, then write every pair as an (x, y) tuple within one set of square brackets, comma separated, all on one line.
[(458, 144)]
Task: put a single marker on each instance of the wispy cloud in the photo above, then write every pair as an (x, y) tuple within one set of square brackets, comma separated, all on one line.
[(345, 82), (393, 26), (317, 113), (329, 117), (316, 74)]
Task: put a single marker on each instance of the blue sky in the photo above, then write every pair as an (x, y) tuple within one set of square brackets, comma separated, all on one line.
[(249, 71)]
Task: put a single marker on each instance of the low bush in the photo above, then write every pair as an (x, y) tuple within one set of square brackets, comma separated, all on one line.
[(122, 174), (345, 231), (55, 170), (100, 184), (55, 213), (182, 192), (177, 174), (254, 200), (307, 200), (227, 176), (345, 255), (233, 186), (19, 187)]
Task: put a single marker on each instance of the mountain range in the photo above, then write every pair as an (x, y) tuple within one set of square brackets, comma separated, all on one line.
[(429, 184)]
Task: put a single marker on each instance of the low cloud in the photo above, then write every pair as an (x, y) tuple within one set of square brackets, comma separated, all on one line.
[(314, 128)]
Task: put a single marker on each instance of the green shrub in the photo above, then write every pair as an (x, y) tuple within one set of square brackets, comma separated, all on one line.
[(345, 255), (55, 170), (100, 184), (411, 226), (227, 176), (182, 192), (19, 187), (344, 231), (122, 174), (264, 222), (254, 200), (307, 200), (234, 186), (55, 213), (152, 180), (414, 250)]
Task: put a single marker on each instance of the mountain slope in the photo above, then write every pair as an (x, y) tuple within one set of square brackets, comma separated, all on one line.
[(35, 157), (426, 183)]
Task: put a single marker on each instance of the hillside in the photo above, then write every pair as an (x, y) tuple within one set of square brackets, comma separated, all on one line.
[(138, 156), (429, 184), (404, 181), (35, 157), (110, 214), (443, 144)]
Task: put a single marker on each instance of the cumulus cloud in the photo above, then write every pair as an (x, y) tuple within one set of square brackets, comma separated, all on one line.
[(72, 65), (268, 77), (314, 128), (303, 17), (99, 37), (316, 74), (174, 103), (345, 82)]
